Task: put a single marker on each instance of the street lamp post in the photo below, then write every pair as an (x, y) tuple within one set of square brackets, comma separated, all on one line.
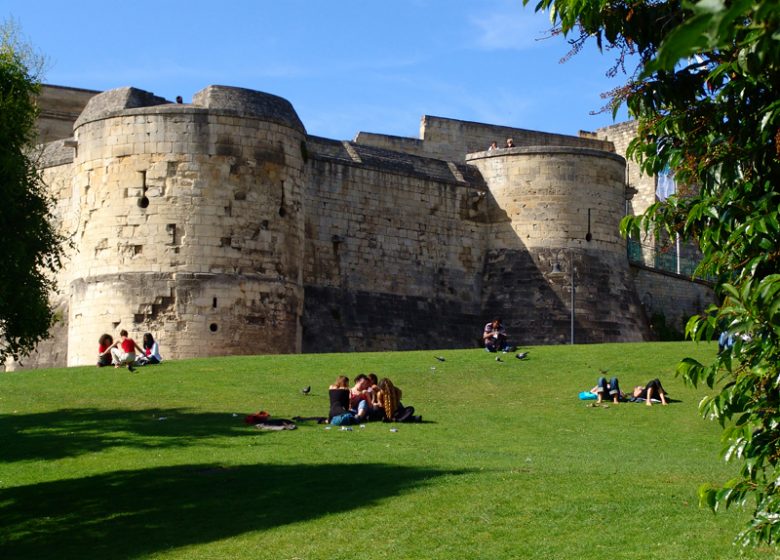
[(556, 271)]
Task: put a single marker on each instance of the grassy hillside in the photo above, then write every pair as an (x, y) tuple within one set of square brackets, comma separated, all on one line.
[(101, 463)]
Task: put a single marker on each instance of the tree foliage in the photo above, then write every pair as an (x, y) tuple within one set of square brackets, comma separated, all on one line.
[(706, 95), (30, 244)]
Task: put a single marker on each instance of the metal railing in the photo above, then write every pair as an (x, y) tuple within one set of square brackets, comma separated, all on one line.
[(667, 259)]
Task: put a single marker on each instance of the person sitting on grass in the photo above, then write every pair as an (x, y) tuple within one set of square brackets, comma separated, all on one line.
[(394, 411), (105, 344), (494, 337), (653, 390), (375, 411), (123, 352), (151, 352), (611, 388), (360, 398), (340, 414)]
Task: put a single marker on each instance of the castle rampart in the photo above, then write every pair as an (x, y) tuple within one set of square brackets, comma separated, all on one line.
[(394, 245), (452, 139), (193, 223), (559, 204), (223, 228)]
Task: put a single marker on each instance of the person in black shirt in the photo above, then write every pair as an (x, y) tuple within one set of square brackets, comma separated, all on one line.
[(339, 413), (653, 390)]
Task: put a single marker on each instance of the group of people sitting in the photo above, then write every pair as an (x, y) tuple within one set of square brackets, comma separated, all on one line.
[(123, 352), (653, 391), (367, 400)]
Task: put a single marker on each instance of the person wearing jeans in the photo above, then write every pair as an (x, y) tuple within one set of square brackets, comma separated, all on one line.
[(494, 336), (612, 389)]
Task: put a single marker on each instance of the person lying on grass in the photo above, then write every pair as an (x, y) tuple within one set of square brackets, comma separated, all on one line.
[(611, 388), (653, 390)]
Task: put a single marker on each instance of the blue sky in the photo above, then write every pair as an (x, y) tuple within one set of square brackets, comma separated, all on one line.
[(346, 65)]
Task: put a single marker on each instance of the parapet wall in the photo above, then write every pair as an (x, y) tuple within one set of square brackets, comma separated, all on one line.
[(671, 297), (452, 139), (59, 109)]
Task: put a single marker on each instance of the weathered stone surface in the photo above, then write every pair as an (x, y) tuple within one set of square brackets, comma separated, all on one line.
[(59, 109), (109, 102), (222, 228), (249, 103)]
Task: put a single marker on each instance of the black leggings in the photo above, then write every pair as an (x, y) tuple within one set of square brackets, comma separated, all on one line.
[(655, 385)]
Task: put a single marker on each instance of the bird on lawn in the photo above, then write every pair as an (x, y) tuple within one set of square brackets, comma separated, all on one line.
[(306, 390), (521, 355), (439, 358)]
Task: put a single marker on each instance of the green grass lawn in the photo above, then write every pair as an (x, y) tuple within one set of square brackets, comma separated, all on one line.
[(101, 463)]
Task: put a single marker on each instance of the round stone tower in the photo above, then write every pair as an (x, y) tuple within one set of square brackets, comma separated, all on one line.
[(190, 225), (554, 209)]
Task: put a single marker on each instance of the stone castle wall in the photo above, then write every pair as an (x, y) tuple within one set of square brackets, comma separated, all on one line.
[(452, 139), (223, 228), (673, 297), (59, 109), (188, 224), (393, 247), (641, 187), (559, 205)]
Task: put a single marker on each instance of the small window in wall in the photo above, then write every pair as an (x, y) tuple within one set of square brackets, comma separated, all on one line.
[(171, 231), (214, 303), (213, 327), (282, 209)]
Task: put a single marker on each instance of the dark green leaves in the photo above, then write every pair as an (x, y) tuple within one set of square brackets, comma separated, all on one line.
[(707, 101), (31, 246)]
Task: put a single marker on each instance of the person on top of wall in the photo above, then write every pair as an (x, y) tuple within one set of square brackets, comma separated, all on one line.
[(493, 146), (510, 143), (123, 352), (151, 352), (105, 342), (494, 337)]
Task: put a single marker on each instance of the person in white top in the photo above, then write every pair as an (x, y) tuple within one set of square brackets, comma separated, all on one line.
[(151, 351)]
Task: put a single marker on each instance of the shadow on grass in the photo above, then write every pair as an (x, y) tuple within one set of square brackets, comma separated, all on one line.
[(71, 432), (133, 513)]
